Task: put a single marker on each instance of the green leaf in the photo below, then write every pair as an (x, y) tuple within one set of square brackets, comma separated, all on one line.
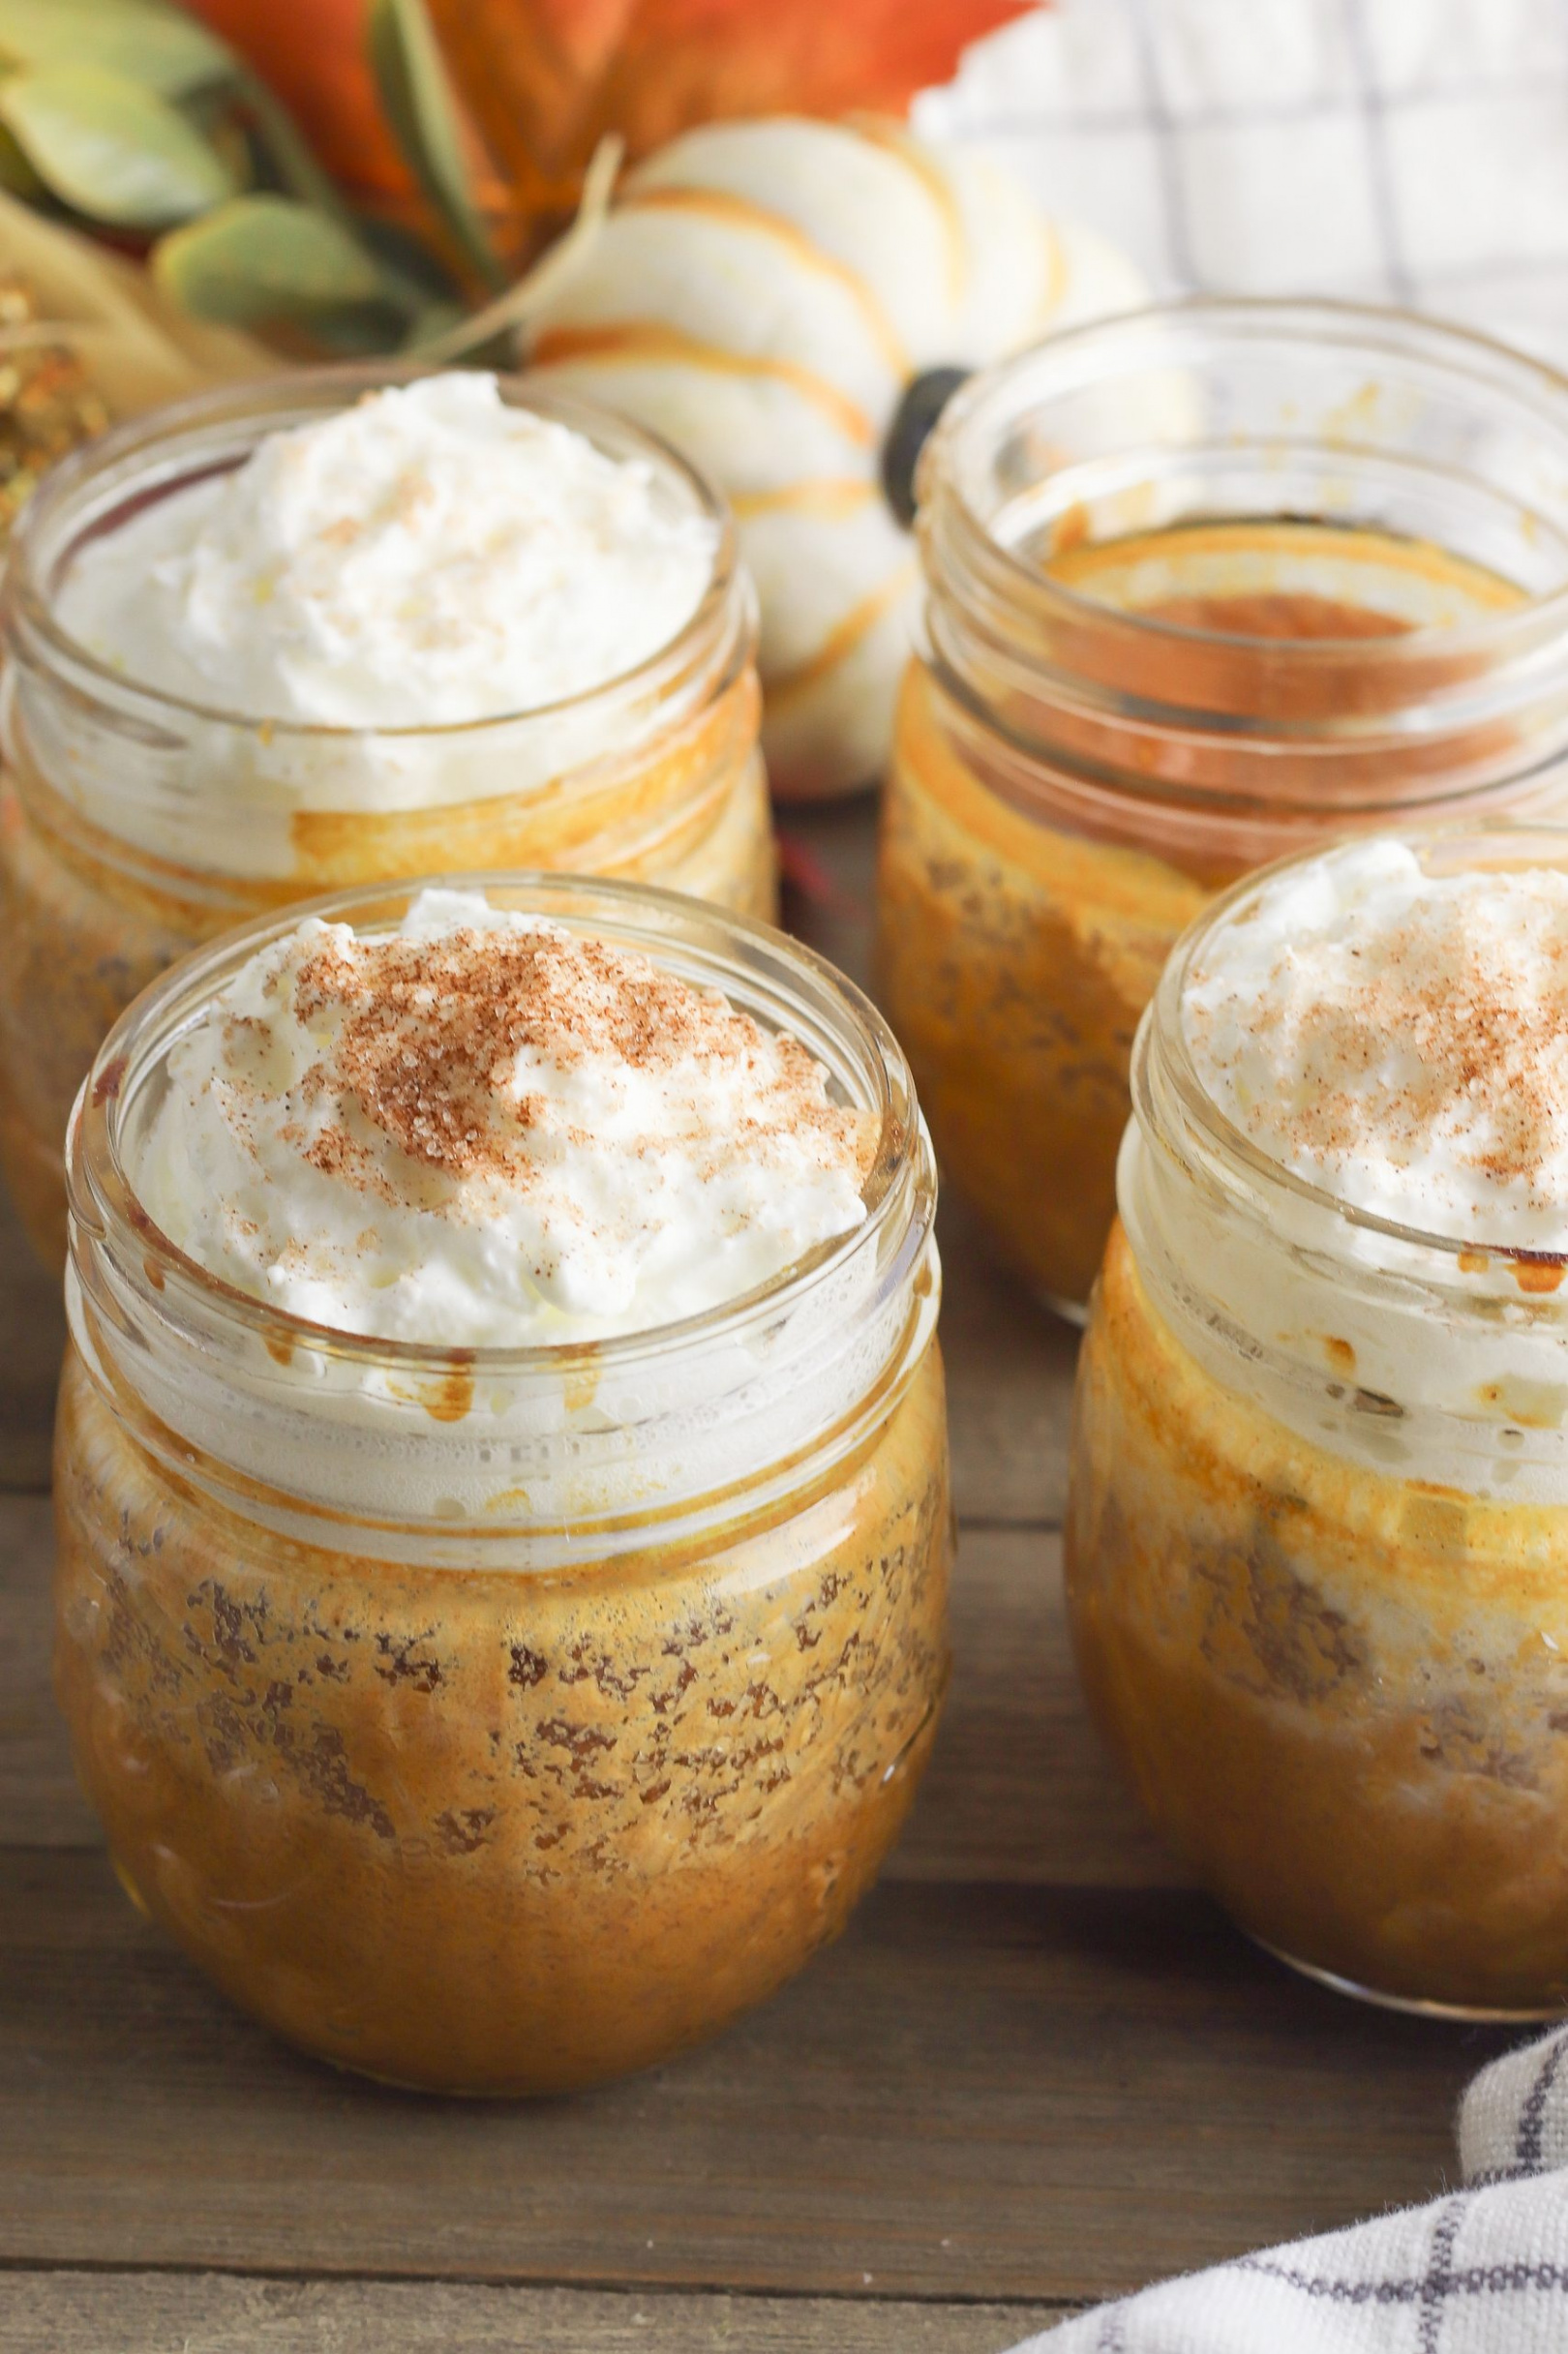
[(109, 148), (263, 261), (416, 98), (159, 47)]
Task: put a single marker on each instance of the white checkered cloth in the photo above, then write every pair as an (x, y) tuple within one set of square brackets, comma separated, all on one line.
[(1484, 2271), (1407, 151)]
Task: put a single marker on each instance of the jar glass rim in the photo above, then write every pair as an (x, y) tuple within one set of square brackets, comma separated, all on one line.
[(976, 409), (1161, 1034), (104, 1208), (294, 397)]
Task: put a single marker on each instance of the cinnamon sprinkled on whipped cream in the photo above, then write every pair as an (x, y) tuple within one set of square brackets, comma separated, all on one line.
[(1400, 1038), (487, 1128)]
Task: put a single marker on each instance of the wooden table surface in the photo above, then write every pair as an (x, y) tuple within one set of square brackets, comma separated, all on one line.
[(1038, 2068)]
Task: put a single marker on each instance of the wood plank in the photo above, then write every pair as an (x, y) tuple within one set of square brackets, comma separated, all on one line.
[(40, 1803), (828, 852), (83, 2313), (979, 2093), (1009, 1385), (1018, 1788), (32, 1337)]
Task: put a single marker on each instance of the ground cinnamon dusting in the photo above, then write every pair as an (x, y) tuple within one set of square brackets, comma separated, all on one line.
[(1481, 1050), (432, 1029)]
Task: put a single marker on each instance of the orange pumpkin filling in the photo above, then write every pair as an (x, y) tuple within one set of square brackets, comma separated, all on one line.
[(1341, 1693), (1025, 914)]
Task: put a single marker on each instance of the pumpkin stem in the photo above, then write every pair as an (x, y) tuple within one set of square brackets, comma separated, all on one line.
[(925, 397)]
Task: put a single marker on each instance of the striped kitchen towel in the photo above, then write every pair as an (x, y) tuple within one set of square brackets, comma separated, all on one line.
[(1409, 151), (1482, 2271)]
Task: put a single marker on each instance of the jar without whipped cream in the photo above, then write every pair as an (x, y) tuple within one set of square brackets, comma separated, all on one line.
[(358, 676), (499, 1718), (1318, 1536), (1205, 585)]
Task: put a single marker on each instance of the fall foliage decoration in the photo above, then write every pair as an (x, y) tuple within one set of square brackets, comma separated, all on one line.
[(134, 122), (786, 299), (545, 80)]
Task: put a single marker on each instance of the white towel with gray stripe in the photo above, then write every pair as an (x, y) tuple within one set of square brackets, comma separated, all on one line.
[(1482, 2271), (1409, 151)]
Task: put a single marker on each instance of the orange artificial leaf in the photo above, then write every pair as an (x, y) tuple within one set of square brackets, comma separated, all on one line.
[(311, 53), (314, 56), (546, 79)]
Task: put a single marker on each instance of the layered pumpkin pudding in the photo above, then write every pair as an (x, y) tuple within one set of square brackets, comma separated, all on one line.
[(501, 1474), (334, 631), (1317, 1538), (1027, 904), (1205, 585)]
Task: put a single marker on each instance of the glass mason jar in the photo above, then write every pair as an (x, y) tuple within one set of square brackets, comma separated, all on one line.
[(1317, 1545), (499, 1720), (134, 825), (1205, 585)]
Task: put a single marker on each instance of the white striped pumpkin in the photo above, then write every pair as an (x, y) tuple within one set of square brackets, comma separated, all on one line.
[(761, 295)]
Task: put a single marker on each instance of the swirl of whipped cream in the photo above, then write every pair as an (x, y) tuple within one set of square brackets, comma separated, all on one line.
[(430, 555), (1400, 1038), (486, 1129), (1386, 1024)]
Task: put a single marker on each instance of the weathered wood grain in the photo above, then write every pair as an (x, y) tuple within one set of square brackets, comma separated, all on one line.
[(76, 2312), (1019, 1788), (32, 1337), (1009, 1385), (40, 1803), (981, 2092), (829, 855)]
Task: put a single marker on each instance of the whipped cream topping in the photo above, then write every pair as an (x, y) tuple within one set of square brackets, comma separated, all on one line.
[(1400, 1038), (486, 1129), (428, 556)]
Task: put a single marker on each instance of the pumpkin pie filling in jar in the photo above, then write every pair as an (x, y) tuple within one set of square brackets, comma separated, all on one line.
[(1205, 585), (501, 1475), (343, 626), (1317, 1531)]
